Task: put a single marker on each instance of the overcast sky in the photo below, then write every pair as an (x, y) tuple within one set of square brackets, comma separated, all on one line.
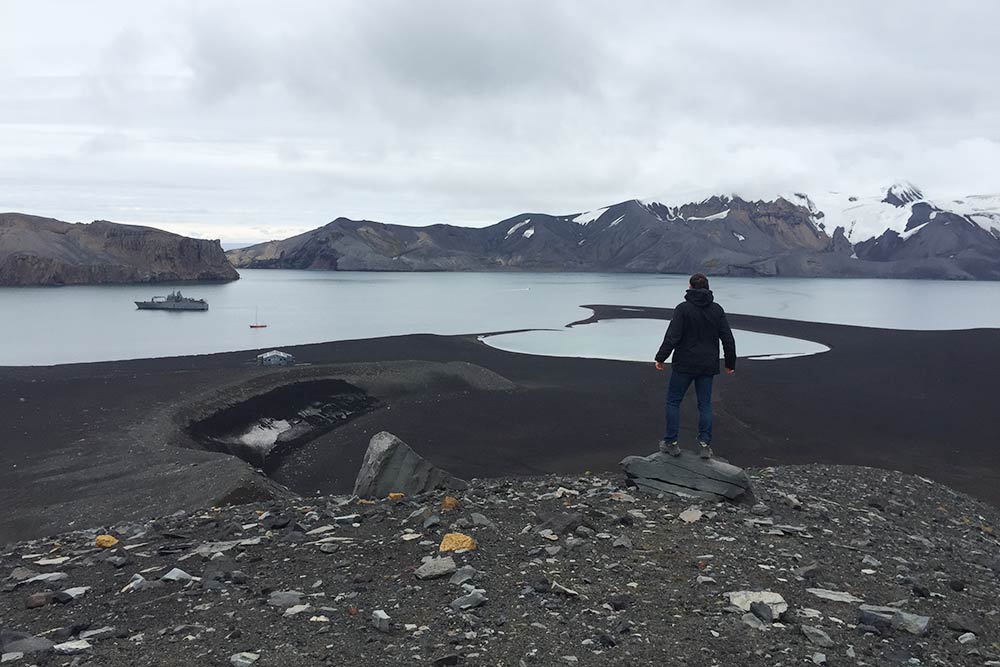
[(252, 120)]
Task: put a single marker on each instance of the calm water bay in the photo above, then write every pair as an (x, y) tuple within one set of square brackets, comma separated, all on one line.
[(99, 323)]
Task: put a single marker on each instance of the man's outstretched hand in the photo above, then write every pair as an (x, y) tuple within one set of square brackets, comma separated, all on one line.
[(659, 365), (730, 371)]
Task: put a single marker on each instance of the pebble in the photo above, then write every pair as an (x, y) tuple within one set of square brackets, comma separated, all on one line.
[(436, 567), (762, 611), (243, 659), (285, 598), (46, 578), (177, 575), (470, 601), (72, 647), (622, 542), (690, 515), (107, 632), (960, 623), (481, 520), (834, 596), (817, 636), (37, 600), (462, 575), (381, 620), (76, 592), (295, 610), (743, 600)]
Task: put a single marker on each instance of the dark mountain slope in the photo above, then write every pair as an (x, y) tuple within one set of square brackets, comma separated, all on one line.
[(43, 251), (721, 234)]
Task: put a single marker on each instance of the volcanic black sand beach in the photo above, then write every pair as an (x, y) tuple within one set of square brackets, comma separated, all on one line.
[(91, 444)]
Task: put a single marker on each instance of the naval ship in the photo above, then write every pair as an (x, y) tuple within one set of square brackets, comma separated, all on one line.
[(173, 301)]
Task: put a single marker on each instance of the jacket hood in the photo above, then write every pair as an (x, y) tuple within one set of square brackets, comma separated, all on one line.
[(700, 297)]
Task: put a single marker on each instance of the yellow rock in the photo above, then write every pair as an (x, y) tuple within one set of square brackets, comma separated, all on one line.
[(365, 501), (449, 503), (106, 541), (456, 541), (396, 496)]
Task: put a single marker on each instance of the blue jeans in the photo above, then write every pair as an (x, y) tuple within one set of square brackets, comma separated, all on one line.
[(678, 386)]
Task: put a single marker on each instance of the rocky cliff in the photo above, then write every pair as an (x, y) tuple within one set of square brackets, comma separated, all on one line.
[(898, 234), (43, 251)]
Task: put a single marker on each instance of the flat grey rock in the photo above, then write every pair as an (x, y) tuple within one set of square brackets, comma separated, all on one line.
[(381, 620), (436, 567), (72, 647), (244, 659), (886, 617), (177, 575), (744, 599), (391, 466), (22, 642), (817, 636), (464, 574), (687, 476), (470, 601), (284, 598)]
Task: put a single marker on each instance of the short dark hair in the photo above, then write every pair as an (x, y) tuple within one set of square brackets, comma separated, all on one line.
[(699, 281)]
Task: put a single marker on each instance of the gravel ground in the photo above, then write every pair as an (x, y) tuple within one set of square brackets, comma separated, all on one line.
[(567, 570)]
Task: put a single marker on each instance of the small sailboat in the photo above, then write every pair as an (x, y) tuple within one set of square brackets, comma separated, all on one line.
[(257, 324)]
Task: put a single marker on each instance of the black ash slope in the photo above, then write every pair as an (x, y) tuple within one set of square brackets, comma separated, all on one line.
[(93, 443)]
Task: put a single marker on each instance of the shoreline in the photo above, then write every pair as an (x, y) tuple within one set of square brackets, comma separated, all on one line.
[(95, 443)]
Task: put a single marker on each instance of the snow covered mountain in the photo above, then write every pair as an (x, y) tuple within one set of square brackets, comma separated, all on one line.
[(898, 233)]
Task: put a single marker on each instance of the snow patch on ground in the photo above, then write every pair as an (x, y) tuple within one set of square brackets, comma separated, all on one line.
[(529, 233), (721, 215), (514, 228), (620, 218), (862, 218), (739, 237), (983, 210), (589, 216), (907, 234)]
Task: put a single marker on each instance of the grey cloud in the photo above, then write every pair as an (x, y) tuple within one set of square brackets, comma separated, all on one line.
[(235, 116)]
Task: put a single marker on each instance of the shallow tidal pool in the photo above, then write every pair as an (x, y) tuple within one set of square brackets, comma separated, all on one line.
[(636, 340)]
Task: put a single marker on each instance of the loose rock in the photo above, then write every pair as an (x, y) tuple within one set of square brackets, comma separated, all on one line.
[(436, 567)]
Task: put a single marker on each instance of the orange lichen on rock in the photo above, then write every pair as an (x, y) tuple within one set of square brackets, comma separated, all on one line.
[(457, 542), (106, 541)]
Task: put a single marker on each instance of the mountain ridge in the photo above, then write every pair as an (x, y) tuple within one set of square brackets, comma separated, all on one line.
[(899, 234)]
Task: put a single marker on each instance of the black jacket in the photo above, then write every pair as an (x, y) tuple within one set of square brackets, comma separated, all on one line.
[(694, 333)]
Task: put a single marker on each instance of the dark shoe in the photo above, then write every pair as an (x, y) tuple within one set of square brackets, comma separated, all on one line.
[(706, 450), (671, 448)]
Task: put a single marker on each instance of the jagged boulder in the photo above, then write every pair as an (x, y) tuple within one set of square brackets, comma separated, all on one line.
[(391, 466), (688, 476)]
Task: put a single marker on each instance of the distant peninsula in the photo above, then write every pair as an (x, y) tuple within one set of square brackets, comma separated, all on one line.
[(44, 251)]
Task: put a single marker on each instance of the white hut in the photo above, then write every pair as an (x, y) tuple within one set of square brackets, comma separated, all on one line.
[(275, 358)]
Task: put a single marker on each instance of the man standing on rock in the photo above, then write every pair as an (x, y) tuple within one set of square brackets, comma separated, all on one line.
[(697, 326)]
